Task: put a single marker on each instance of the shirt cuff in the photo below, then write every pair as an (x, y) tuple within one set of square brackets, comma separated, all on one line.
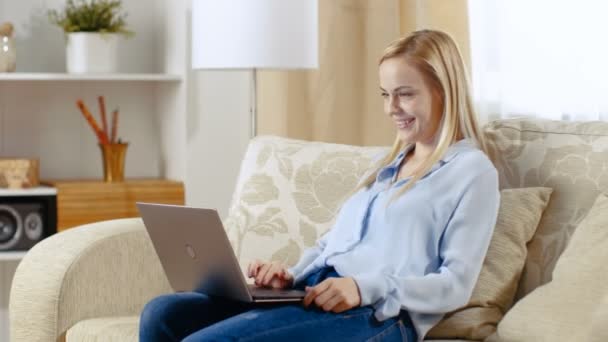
[(296, 272), (371, 288), (293, 272)]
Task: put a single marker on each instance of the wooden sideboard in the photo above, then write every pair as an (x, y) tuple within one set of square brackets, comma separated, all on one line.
[(86, 201)]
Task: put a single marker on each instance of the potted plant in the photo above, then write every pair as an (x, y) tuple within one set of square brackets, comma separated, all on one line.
[(92, 29)]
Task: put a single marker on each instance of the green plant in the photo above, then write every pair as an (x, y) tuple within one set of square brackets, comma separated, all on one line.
[(91, 16)]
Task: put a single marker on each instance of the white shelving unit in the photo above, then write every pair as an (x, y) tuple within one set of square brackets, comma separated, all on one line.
[(12, 255), (25, 76), (39, 118)]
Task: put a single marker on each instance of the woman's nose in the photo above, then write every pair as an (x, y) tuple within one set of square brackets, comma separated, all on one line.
[(393, 104)]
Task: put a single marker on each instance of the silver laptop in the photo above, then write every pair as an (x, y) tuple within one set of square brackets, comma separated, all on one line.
[(196, 255)]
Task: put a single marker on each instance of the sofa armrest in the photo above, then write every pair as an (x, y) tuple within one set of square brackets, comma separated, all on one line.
[(107, 268)]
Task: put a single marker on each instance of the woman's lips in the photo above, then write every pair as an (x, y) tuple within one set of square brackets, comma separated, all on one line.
[(405, 123)]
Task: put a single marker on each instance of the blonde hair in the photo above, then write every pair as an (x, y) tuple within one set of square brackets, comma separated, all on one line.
[(436, 56)]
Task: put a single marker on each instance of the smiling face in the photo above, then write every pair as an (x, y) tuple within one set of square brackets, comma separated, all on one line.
[(410, 101)]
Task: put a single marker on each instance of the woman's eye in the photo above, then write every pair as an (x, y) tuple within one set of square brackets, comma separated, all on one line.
[(384, 95), (406, 94)]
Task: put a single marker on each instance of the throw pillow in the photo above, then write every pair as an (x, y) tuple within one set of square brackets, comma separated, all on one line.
[(518, 216), (563, 309)]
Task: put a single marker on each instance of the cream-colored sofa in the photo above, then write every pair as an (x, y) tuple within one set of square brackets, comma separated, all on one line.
[(91, 282)]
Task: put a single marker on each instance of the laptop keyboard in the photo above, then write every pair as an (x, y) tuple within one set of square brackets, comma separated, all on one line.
[(261, 292)]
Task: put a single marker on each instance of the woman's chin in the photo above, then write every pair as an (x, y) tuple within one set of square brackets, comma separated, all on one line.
[(406, 137)]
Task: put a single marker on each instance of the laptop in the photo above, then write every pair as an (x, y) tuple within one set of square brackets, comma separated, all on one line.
[(196, 255)]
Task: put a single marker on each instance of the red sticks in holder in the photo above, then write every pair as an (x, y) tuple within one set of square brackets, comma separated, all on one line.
[(102, 133)]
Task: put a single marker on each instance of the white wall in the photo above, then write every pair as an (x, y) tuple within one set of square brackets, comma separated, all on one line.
[(218, 127)]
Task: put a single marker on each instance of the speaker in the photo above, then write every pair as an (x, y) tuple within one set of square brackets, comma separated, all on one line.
[(27, 216)]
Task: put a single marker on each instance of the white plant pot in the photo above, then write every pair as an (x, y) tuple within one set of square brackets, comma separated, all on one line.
[(92, 52)]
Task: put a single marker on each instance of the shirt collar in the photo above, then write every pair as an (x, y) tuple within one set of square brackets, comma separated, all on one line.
[(452, 151), (457, 147)]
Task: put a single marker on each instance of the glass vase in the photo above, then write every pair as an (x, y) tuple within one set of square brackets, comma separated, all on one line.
[(113, 158), (8, 54)]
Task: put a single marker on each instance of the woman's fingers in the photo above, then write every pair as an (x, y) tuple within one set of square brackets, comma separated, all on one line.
[(261, 273), (313, 292), (331, 294), (287, 277), (253, 268), (341, 307), (332, 303), (273, 272), (323, 300)]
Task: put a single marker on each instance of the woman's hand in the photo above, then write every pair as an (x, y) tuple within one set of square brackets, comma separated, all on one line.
[(270, 274), (334, 294)]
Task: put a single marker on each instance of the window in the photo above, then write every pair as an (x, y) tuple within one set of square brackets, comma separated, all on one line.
[(540, 58)]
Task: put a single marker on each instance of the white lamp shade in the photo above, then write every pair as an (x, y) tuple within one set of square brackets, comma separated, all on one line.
[(260, 34)]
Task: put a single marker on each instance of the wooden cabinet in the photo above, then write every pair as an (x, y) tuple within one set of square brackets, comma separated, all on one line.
[(86, 201)]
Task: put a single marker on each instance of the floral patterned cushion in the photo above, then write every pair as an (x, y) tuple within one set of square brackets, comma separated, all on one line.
[(569, 157), (288, 194)]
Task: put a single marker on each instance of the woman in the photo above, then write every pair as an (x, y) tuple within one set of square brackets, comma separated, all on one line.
[(405, 249)]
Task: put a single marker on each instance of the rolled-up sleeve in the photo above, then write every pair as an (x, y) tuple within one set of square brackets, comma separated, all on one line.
[(308, 256)]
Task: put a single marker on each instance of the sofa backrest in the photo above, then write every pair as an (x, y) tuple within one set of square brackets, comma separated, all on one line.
[(571, 158), (288, 193)]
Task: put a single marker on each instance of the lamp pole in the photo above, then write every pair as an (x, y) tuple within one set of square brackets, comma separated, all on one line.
[(254, 104)]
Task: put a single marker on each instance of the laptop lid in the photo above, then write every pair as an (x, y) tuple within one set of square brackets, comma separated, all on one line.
[(194, 250)]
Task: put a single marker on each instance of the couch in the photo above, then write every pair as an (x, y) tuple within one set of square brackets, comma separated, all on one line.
[(91, 282)]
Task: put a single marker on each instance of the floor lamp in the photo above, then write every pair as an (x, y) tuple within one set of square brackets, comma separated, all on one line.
[(253, 35)]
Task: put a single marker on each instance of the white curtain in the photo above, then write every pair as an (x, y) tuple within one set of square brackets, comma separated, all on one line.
[(539, 58)]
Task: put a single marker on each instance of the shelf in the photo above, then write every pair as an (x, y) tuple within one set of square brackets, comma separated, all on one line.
[(22, 76), (12, 255), (35, 191)]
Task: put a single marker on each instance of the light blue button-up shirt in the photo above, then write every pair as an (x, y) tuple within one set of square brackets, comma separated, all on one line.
[(423, 253)]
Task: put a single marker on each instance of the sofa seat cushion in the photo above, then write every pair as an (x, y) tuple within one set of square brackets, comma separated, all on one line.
[(105, 329), (123, 329)]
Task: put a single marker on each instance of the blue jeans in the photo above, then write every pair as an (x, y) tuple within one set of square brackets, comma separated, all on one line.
[(191, 316)]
